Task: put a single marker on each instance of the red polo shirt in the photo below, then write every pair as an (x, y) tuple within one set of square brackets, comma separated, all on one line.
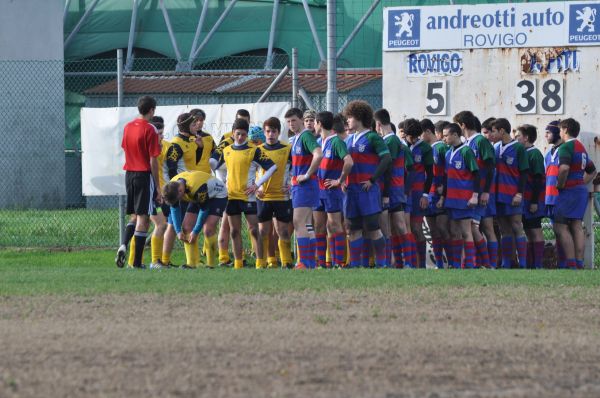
[(140, 143)]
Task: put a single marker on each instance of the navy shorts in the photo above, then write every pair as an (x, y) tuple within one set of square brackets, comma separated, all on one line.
[(235, 207), (305, 194), (280, 209), (214, 207)]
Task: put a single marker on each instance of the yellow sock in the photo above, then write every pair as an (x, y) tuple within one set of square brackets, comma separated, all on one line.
[(166, 258), (328, 254), (156, 248), (205, 247), (260, 263), (196, 253), (224, 256), (285, 250), (272, 262), (131, 253), (210, 243), (347, 251), (238, 264), (189, 254)]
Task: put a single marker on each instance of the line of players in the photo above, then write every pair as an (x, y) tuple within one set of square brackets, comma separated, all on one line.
[(356, 192)]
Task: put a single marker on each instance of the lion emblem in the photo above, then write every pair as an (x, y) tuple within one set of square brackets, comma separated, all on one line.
[(587, 16), (405, 24)]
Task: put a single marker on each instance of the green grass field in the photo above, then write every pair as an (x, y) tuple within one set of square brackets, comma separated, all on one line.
[(42, 272)]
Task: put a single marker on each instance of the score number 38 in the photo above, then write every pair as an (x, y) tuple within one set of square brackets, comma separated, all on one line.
[(551, 98)]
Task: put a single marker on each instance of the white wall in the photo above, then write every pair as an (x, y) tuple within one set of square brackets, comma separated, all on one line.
[(487, 86)]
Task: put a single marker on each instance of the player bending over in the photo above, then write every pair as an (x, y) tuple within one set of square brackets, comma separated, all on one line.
[(207, 199)]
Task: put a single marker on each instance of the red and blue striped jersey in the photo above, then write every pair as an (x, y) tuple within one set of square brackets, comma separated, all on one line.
[(366, 149), (536, 167), (422, 156), (439, 150), (551, 163), (573, 154), (334, 152), (460, 165), (401, 161), (511, 161), (484, 151), (303, 146)]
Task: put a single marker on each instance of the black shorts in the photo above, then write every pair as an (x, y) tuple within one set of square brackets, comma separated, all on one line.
[(281, 209), (235, 207), (214, 207), (532, 223), (139, 186)]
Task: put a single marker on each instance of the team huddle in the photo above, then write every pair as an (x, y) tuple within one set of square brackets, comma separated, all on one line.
[(354, 190)]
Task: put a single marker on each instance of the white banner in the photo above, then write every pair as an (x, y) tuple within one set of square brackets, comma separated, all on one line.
[(575, 23), (102, 131)]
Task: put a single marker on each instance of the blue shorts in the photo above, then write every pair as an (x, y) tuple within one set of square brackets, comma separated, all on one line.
[(305, 194), (415, 198), (433, 210), (330, 201), (541, 211), (358, 203), (490, 209), (506, 209), (571, 203), (460, 214)]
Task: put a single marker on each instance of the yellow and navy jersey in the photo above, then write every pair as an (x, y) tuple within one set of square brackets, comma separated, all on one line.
[(280, 155), (226, 140), (200, 187), (163, 170), (242, 163), (184, 154), (203, 154), (181, 155)]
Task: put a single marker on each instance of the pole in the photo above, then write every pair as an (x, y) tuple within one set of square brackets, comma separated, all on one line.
[(294, 77), (589, 235), (331, 58), (120, 104), (269, 63), (274, 83)]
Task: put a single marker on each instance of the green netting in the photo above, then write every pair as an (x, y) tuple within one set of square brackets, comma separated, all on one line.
[(246, 28)]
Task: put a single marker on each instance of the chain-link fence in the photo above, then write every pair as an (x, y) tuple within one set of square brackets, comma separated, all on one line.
[(43, 205)]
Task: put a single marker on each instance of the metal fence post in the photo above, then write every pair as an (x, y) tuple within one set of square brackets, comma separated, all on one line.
[(589, 235), (294, 77), (331, 58), (120, 104)]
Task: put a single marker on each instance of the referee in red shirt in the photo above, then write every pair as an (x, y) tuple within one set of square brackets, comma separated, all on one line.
[(142, 147)]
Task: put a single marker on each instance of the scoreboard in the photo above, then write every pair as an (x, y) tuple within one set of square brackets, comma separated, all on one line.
[(527, 62)]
